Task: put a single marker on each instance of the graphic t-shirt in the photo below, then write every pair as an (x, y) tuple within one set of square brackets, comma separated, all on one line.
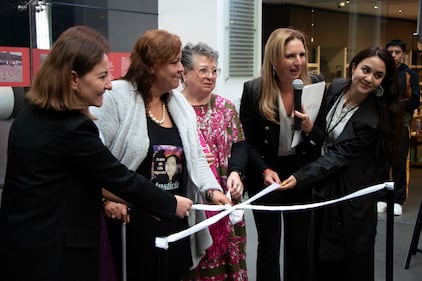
[(165, 165), (165, 162)]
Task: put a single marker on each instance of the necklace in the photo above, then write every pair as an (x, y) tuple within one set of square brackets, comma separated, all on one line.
[(163, 117), (344, 112), (330, 129)]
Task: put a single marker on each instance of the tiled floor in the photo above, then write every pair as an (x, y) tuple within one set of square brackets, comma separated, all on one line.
[(403, 230)]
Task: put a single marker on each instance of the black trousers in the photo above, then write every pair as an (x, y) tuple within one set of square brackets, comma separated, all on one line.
[(298, 232), (357, 267), (400, 169), (297, 246)]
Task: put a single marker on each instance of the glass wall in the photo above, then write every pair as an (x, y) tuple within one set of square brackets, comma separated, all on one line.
[(36, 24), (116, 20), (337, 30)]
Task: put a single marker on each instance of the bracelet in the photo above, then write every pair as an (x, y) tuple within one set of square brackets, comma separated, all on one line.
[(209, 195)]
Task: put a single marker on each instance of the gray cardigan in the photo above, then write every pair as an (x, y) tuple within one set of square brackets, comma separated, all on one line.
[(122, 122)]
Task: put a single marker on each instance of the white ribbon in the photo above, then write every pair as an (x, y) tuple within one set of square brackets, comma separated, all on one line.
[(236, 215), (162, 242)]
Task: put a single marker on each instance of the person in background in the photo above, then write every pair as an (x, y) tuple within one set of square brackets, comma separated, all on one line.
[(362, 129), (266, 111), (57, 165), (222, 137), (144, 121), (410, 99)]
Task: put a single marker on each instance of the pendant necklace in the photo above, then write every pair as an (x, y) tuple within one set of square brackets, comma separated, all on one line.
[(163, 117), (330, 127)]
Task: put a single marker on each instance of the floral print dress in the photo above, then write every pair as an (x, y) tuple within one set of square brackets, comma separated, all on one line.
[(219, 124)]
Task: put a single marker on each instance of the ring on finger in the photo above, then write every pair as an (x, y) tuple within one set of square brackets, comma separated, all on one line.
[(187, 214), (113, 216)]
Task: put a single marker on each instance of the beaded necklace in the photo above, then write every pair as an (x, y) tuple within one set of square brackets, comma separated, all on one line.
[(163, 116)]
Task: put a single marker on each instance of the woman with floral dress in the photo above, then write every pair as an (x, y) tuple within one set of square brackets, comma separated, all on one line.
[(222, 139)]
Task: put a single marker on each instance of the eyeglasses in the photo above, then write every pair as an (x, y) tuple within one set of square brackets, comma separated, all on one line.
[(206, 72)]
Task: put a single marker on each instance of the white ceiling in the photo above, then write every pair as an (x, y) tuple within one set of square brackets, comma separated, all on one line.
[(388, 8)]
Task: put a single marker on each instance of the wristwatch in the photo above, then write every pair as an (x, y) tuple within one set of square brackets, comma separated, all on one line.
[(209, 194)]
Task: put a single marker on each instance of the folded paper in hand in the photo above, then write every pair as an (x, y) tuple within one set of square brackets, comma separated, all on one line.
[(311, 102)]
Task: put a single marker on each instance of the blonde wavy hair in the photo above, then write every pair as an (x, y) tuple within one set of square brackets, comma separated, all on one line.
[(274, 51)]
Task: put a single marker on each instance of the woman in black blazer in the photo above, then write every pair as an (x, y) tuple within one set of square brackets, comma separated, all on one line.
[(363, 130), (57, 165), (266, 114)]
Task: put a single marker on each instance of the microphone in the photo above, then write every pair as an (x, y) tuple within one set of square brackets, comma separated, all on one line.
[(297, 91)]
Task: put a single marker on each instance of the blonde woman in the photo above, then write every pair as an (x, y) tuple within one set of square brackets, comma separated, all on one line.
[(266, 111)]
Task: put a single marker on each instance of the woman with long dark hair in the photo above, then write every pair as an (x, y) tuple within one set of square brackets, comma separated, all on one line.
[(362, 131)]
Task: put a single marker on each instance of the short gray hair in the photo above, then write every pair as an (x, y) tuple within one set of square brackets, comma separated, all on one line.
[(198, 49)]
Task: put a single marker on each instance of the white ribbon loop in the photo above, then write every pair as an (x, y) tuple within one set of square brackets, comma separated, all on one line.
[(162, 242)]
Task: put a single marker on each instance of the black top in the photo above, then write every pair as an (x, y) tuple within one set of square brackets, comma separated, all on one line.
[(353, 162), (143, 258), (263, 136), (51, 203)]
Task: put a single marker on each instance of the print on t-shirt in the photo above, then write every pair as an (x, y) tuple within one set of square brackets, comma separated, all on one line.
[(166, 166)]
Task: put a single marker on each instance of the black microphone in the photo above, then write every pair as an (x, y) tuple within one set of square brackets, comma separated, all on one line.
[(297, 91)]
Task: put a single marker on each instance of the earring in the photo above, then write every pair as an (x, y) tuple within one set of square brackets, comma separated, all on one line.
[(379, 92), (274, 71)]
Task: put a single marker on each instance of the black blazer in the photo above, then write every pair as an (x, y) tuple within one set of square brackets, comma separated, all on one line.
[(263, 139), (51, 203), (355, 161)]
